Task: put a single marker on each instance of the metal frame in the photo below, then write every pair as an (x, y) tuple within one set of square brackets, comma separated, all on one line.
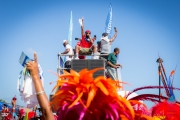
[(59, 56)]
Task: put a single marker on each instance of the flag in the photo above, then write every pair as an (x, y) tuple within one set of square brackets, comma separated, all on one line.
[(70, 29), (108, 24)]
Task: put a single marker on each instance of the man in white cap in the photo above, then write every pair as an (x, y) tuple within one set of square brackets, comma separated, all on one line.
[(68, 51)]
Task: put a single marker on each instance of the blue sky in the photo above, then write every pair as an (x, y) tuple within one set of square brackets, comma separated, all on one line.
[(145, 28)]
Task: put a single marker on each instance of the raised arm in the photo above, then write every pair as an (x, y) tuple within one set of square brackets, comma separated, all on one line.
[(41, 95), (114, 37), (82, 27)]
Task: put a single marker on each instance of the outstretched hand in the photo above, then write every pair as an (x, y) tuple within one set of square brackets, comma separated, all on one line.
[(32, 66)]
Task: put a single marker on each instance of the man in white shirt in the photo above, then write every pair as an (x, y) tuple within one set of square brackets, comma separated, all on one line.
[(68, 51), (106, 43)]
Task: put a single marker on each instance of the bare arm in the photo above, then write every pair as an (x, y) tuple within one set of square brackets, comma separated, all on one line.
[(109, 63), (92, 40), (82, 27), (42, 98), (114, 37), (66, 51)]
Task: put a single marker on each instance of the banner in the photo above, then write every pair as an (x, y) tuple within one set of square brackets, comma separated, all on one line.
[(70, 30), (108, 24)]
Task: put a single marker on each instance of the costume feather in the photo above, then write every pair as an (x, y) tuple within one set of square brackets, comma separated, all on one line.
[(81, 97), (170, 111), (149, 87)]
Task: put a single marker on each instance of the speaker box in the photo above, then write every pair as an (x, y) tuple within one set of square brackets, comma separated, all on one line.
[(80, 64)]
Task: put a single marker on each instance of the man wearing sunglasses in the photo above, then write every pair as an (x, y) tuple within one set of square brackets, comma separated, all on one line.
[(85, 46)]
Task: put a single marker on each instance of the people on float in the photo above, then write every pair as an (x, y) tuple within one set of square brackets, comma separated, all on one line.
[(107, 42), (85, 45), (68, 51), (112, 64), (96, 54)]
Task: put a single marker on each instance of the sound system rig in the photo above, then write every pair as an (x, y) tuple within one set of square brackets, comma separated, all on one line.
[(78, 65)]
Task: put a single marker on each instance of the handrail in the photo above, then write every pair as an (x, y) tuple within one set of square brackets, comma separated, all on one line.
[(59, 54)]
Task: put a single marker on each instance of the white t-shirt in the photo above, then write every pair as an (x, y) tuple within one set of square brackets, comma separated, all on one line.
[(105, 45), (68, 58)]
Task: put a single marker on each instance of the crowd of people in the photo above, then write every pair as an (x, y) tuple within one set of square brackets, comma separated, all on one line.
[(86, 46)]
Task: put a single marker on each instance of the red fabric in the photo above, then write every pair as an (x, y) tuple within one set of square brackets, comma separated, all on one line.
[(82, 57), (31, 114), (84, 43), (22, 112), (88, 31)]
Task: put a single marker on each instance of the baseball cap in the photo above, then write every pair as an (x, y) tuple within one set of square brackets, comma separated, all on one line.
[(64, 41), (88, 31)]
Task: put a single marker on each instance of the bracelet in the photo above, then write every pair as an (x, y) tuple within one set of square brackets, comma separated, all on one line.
[(39, 93)]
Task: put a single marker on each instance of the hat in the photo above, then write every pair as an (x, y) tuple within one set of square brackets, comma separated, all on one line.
[(88, 31), (64, 41), (14, 98)]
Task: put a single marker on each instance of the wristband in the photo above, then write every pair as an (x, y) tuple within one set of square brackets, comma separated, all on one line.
[(39, 93)]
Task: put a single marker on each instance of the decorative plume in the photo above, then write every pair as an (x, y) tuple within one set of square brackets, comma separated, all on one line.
[(81, 97), (166, 110), (149, 87)]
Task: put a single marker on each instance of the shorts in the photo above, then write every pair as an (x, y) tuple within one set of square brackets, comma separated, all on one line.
[(105, 57), (85, 51)]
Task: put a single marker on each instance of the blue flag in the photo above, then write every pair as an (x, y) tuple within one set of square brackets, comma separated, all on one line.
[(108, 24), (70, 29)]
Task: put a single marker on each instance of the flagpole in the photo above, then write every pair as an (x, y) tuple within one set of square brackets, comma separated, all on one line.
[(70, 29)]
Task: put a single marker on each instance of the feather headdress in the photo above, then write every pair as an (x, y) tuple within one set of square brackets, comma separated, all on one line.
[(81, 97)]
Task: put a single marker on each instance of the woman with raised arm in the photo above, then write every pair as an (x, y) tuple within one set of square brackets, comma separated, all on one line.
[(32, 66)]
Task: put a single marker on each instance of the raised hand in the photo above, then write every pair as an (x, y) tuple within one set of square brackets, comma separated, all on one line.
[(32, 66)]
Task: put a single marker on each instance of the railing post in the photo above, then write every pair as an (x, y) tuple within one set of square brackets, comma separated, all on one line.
[(58, 69)]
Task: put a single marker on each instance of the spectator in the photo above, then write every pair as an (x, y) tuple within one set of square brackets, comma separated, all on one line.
[(13, 102), (41, 96)]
